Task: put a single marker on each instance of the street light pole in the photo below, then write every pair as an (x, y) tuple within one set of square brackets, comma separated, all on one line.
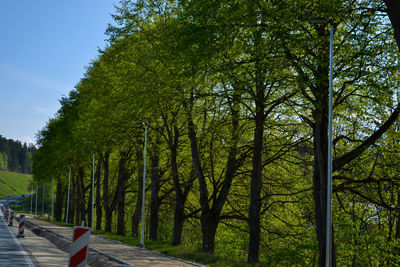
[(144, 186), (329, 167), (328, 258)]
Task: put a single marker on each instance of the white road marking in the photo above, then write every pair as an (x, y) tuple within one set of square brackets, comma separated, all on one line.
[(23, 252)]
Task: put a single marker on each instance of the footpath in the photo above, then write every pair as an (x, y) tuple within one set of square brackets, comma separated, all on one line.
[(41, 251), (117, 253)]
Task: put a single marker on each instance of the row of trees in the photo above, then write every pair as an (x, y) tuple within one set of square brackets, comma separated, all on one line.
[(235, 95), (16, 157)]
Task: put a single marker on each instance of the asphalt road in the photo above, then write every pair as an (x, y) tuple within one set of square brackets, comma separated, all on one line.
[(11, 250)]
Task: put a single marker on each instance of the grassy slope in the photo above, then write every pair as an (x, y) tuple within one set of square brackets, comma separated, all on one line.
[(12, 183)]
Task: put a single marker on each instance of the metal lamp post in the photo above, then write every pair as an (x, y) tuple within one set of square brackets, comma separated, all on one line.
[(328, 258), (144, 186)]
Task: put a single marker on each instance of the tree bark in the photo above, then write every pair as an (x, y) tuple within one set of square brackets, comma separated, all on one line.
[(320, 183), (81, 196), (138, 207), (209, 224), (155, 189), (256, 173), (393, 11), (99, 210), (319, 124), (106, 198), (180, 199), (210, 216), (122, 173), (71, 209), (59, 201), (77, 202), (89, 204)]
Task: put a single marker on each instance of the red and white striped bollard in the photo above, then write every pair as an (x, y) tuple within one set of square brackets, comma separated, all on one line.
[(10, 223), (6, 213), (21, 226), (79, 247)]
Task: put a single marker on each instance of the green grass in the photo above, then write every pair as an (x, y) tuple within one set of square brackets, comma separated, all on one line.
[(12, 183), (180, 252)]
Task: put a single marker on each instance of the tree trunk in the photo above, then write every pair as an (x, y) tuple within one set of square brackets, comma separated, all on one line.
[(393, 11), (121, 193), (208, 245), (397, 234), (320, 182), (179, 219), (256, 179), (179, 213), (59, 201), (71, 208), (210, 216), (77, 202), (89, 204), (155, 188), (99, 213), (208, 229), (138, 207), (82, 197), (106, 197)]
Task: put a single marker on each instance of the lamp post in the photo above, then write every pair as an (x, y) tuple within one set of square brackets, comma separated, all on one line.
[(328, 258), (144, 186)]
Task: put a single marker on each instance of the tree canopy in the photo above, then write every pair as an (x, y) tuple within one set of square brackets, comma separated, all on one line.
[(235, 98)]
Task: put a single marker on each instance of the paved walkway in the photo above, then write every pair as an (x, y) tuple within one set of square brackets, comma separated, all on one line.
[(44, 252), (38, 252), (132, 255), (12, 253)]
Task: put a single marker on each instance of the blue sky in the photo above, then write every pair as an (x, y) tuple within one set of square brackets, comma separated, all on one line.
[(44, 48)]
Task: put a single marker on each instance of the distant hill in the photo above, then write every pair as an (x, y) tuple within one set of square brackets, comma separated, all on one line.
[(12, 183), (15, 156)]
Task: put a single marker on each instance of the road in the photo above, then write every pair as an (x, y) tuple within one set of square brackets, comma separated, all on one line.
[(11, 250)]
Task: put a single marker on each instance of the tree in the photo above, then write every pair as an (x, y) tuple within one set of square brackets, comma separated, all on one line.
[(361, 81)]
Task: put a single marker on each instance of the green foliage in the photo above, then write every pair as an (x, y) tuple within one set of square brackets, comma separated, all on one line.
[(3, 161), (205, 76), (16, 157)]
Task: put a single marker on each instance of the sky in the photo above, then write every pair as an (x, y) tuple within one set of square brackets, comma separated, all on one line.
[(44, 48)]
